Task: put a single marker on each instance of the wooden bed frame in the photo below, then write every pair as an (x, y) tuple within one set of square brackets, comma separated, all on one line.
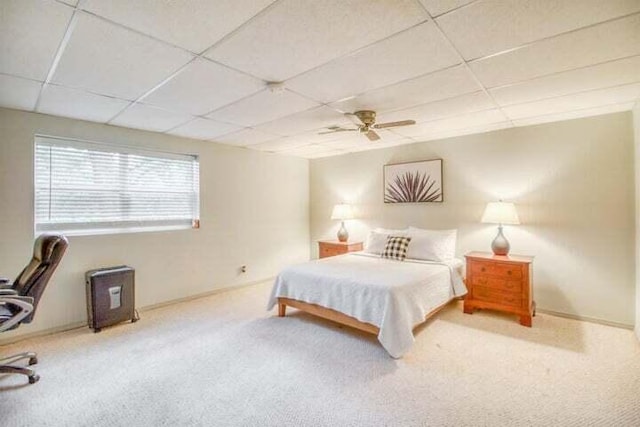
[(336, 316)]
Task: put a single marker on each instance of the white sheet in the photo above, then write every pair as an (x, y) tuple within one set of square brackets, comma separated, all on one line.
[(392, 295)]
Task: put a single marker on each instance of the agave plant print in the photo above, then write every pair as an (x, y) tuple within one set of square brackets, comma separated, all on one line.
[(414, 182)]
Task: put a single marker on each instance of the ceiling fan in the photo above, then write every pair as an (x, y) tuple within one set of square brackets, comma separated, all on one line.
[(368, 119)]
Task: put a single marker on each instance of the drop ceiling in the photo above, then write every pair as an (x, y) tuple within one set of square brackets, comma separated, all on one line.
[(201, 68)]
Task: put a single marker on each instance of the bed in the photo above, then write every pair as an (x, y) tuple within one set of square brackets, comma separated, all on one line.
[(384, 297)]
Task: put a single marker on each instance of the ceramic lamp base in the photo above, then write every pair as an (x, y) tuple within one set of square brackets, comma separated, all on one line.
[(343, 234), (500, 245)]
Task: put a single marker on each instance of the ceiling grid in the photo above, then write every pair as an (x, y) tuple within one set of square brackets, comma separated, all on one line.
[(453, 66)]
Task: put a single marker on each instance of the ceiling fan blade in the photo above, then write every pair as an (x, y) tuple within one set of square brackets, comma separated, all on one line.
[(372, 135), (394, 124), (336, 130)]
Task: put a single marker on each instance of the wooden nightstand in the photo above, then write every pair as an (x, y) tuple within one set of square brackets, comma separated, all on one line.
[(500, 283), (327, 248)]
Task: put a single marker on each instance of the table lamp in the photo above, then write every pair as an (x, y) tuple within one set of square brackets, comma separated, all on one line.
[(500, 213), (342, 212)]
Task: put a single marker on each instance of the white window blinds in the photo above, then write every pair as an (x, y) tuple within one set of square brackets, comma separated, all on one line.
[(89, 188)]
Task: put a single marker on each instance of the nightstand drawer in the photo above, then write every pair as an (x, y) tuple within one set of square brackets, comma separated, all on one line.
[(500, 284), (496, 269), (491, 295), (333, 248), (327, 251)]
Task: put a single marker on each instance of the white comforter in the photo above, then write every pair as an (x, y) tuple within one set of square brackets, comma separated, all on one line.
[(392, 295)]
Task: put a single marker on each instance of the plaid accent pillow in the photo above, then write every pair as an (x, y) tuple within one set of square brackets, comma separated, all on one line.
[(396, 247)]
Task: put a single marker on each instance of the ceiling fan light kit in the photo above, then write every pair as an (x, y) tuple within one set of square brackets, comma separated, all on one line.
[(368, 119)]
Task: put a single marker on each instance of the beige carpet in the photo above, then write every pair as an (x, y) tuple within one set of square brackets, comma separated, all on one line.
[(224, 361)]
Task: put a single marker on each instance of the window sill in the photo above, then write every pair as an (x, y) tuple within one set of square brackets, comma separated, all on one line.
[(124, 230)]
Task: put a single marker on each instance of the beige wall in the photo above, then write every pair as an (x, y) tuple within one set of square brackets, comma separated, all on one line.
[(636, 127), (572, 183), (254, 211)]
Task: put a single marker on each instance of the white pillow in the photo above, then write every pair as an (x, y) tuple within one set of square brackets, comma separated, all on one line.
[(377, 239), (392, 232), (376, 242), (432, 245)]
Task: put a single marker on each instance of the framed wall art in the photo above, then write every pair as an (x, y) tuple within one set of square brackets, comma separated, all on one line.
[(413, 182)]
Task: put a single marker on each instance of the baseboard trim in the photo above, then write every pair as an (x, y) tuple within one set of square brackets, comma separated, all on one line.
[(78, 325), (585, 318), (41, 333)]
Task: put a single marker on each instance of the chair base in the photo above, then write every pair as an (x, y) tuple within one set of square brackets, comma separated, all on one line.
[(7, 368)]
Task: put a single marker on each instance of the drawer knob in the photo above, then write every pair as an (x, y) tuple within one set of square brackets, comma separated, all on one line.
[(509, 272), (483, 269)]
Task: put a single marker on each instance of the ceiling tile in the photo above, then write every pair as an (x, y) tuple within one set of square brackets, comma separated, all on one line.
[(412, 53), (30, 33), (71, 2), (480, 118), (357, 142), (280, 144), (312, 151), (354, 142), (203, 86), (432, 87), (263, 107), (522, 22), (294, 36), (305, 138), (316, 118), (78, 104), (576, 114), (597, 76), (605, 42), (443, 134), (207, 21), (438, 7), (459, 105), (246, 137), (578, 101), (363, 146), (199, 128), (18, 93), (570, 115), (147, 117), (95, 59)]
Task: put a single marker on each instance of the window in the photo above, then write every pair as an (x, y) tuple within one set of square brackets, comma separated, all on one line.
[(90, 188)]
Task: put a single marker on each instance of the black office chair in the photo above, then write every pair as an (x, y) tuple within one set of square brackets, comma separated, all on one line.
[(18, 301)]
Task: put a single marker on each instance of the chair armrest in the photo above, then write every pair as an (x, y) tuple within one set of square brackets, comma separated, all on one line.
[(25, 304), (8, 291), (28, 300)]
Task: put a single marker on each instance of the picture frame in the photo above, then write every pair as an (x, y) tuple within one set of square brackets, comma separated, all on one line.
[(413, 182)]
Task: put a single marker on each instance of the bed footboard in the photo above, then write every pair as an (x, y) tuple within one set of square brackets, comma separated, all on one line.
[(326, 313), (336, 316)]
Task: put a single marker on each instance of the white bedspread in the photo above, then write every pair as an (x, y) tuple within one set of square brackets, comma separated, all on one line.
[(392, 295)]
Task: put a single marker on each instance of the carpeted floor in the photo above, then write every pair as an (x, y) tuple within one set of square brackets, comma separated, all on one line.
[(224, 361)]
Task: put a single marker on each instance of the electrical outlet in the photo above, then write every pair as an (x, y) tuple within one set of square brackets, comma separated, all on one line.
[(243, 269)]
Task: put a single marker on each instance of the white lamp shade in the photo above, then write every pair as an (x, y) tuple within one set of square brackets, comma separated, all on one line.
[(342, 212), (500, 213)]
